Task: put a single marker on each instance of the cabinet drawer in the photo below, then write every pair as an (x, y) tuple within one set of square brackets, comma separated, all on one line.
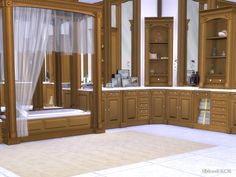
[(158, 92), (143, 117), (143, 93), (158, 79), (216, 123), (112, 94), (130, 93), (219, 117), (202, 94), (143, 105), (173, 93), (185, 93), (222, 110), (233, 95), (219, 103), (215, 80), (143, 111), (219, 95), (143, 100)]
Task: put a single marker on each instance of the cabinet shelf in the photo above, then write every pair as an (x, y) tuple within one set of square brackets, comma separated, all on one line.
[(216, 38), (158, 42), (159, 75), (217, 57), (158, 60), (158, 51)]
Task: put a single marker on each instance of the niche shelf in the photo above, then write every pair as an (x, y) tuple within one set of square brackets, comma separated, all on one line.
[(158, 51), (217, 56)]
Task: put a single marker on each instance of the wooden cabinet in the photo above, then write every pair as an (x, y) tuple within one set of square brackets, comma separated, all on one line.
[(66, 98), (217, 56), (130, 105), (158, 51), (201, 109), (136, 107), (143, 106), (85, 100), (158, 106), (48, 94), (233, 113), (219, 112), (111, 109), (179, 108)]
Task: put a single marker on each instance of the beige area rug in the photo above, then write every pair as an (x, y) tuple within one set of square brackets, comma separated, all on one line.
[(70, 156)]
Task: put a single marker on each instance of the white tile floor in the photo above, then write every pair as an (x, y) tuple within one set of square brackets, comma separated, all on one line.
[(218, 161)]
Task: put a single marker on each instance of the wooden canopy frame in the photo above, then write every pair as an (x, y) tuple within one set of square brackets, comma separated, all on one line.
[(10, 134)]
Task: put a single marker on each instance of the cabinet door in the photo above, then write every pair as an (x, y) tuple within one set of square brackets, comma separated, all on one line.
[(158, 108), (185, 113), (113, 111), (130, 108), (172, 107), (104, 110), (233, 116)]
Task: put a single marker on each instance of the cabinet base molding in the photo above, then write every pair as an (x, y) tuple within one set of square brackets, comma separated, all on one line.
[(158, 121)]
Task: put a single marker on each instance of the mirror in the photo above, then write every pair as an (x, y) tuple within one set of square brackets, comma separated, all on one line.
[(126, 34), (193, 8), (192, 38), (121, 38), (2, 104)]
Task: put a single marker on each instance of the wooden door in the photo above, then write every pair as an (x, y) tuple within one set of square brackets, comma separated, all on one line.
[(233, 116), (158, 109), (113, 112), (172, 108), (104, 111), (185, 112), (130, 108)]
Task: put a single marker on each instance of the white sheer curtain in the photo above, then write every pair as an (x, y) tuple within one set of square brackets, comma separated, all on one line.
[(31, 28), (71, 33)]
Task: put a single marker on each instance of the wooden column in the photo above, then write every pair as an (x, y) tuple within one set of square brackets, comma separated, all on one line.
[(10, 134), (75, 77), (97, 91), (136, 39), (58, 79), (38, 93), (159, 8), (211, 4), (182, 43)]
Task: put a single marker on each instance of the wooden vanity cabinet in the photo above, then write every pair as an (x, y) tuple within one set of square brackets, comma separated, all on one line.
[(48, 94), (130, 108), (112, 109), (179, 108), (136, 107), (219, 112), (143, 106), (198, 97), (84, 100), (158, 107), (233, 112)]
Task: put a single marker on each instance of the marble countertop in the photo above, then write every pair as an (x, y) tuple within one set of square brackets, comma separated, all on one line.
[(160, 88)]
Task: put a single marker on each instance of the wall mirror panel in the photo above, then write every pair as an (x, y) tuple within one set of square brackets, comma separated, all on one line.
[(2, 79), (126, 34), (121, 26)]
